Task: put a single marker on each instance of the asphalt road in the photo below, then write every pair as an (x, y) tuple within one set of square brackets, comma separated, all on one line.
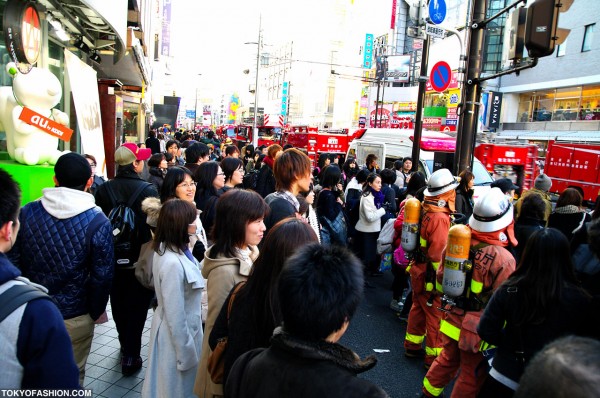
[(376, 327)]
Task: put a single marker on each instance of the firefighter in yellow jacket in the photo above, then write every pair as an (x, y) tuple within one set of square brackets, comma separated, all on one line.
[(491, 232), (424, 317)]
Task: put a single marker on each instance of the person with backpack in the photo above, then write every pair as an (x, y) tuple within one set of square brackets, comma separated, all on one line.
[(330, 208), (36, 351), (129, 299), (492, 233), (66, 245)]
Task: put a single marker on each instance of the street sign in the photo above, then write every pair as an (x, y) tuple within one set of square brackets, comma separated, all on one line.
[(441, 76), (437, 11), (435, 31)]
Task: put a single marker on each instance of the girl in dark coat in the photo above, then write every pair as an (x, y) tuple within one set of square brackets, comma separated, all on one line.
[(568, 216), (330, 207), (464, 195), (210, 179), (157, 167)]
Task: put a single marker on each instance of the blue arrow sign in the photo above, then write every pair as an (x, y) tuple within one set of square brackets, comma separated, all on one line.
[(437, 11)]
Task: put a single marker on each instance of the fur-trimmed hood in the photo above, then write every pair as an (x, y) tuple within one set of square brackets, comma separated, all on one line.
[(336, 353), (151, 206)]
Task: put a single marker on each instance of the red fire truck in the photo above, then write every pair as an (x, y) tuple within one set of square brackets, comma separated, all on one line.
[(568, 164), (516, 162), (316, 141), (241, 134)]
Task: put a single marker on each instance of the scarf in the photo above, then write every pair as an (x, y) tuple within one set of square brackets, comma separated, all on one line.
[(445, 202), (378, 197), (568, 209), (269, 161), (502, 237), (287, 195)]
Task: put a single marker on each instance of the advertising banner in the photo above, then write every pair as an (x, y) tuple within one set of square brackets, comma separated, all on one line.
[(495, 109), (397, 68), (84, 85)]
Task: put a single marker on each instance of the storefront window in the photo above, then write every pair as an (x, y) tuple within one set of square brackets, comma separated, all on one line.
[(590, 103), (525, 108), (130, 121), (566, 104), (543, 106), (562, 104)]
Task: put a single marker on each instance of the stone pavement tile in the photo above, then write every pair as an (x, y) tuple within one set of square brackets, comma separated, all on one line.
[(98, 387), (133, 394), (107, 351), (138, 388), (102, 339), (112, 333), (114, 343), (101, 329), (115, 391), (94, 358), (108, 363), (110, 376), (94, 371), (129, 382)]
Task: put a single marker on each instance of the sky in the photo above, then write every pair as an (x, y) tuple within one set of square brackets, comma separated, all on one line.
[(208, 36)]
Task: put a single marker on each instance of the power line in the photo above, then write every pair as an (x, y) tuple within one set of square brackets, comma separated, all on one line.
[(285, 60)]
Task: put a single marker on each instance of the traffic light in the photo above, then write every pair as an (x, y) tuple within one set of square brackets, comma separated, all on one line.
[(541, 31), (417, 11)]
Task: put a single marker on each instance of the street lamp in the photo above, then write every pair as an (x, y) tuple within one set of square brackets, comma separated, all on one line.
[(258, 47)]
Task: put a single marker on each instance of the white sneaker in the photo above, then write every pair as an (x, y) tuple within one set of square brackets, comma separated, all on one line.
[(395, 305)]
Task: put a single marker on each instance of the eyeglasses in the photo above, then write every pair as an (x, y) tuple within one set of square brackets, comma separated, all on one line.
[(187, 186), (92, 164), (221, 174)]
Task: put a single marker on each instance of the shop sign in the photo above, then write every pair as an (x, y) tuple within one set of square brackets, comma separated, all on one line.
[(46, 125), (432, 122), (22, 31), (495, 109)]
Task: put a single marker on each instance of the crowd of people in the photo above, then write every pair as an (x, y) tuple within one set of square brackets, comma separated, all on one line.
[(262, 252)]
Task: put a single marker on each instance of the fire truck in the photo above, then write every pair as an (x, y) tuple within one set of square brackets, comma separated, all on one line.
[(568, 164), (241, 134), (315, 141), (516, 162)]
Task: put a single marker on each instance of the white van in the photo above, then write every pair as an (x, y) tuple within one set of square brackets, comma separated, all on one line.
[(395, 144)]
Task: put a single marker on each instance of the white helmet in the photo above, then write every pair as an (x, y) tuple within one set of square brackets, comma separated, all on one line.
[(440, 182), (492, 212)]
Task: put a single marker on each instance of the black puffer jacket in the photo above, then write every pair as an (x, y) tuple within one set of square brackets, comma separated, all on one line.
[(53, 252), (295, 368)]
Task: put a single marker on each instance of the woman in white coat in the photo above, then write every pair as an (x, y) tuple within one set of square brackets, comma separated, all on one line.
[(176, 334), (369, 222)]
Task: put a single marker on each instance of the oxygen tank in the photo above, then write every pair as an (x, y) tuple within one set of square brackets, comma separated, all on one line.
[(410, 226), (456, 262)]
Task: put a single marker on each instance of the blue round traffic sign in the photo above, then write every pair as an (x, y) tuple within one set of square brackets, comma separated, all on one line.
[(437, 11), (441, 74)]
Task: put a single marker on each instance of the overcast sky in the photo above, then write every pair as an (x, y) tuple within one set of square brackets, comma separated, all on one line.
[(208, 36)]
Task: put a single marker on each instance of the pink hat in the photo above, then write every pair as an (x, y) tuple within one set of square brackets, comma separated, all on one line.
[(130, 152)]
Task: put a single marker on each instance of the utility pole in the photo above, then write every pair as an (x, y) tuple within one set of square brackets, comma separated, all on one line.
[(258, 48), (420, 103), (471, 90)]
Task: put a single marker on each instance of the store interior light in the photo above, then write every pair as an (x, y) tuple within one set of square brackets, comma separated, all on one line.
[(59, 30)]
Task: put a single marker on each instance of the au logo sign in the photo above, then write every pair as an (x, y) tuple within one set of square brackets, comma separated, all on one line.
[(22, 31)]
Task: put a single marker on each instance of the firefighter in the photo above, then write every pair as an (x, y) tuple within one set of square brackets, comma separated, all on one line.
[(424, 317), (491, 232)]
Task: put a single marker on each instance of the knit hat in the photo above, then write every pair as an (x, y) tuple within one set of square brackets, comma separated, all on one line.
[(130, 152), (543, 183), (72, 170)]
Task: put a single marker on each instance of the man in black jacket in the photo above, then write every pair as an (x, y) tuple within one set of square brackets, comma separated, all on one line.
[(319, 290), (128, 298), (152, 142)]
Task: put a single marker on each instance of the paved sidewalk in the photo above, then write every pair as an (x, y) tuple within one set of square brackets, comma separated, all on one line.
[(103, 371)]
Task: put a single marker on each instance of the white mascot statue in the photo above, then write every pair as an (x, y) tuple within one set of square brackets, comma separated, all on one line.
[(40, 91)]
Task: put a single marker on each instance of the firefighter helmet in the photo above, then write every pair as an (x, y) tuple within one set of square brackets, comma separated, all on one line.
[(492, 212), (440, 182)]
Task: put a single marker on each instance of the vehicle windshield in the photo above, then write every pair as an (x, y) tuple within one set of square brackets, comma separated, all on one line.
[(482, 177)]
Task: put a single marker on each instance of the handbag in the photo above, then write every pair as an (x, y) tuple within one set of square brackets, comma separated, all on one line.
[(386, 262), (216, 359), (143, 266), (386, 237)]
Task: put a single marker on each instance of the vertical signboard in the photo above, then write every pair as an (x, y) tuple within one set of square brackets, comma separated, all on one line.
[(166, 28), (368, 53), (284, 99), (393, 21), (495, 109)]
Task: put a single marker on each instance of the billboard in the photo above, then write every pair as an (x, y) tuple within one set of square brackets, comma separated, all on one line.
[(397, 68)]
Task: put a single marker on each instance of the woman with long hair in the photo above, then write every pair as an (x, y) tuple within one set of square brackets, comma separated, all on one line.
[(464, 195), (157, 168), (229, 261), (176, 333), (369, 222), (307, 210), (255, 310), (539, 302), (568, 215), (330, 210), (233, 168), (210, 178)]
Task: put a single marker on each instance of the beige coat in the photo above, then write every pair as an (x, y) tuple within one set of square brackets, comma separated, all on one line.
[(369, 215), (221, 274)]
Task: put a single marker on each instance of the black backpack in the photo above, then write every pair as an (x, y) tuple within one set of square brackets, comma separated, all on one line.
[(250, 179), (122, 220)]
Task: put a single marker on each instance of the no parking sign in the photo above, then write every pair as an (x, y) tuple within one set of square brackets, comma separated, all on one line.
[(441, 75)]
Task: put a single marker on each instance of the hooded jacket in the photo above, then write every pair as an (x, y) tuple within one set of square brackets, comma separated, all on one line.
[(51, 250), (221, 274)]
